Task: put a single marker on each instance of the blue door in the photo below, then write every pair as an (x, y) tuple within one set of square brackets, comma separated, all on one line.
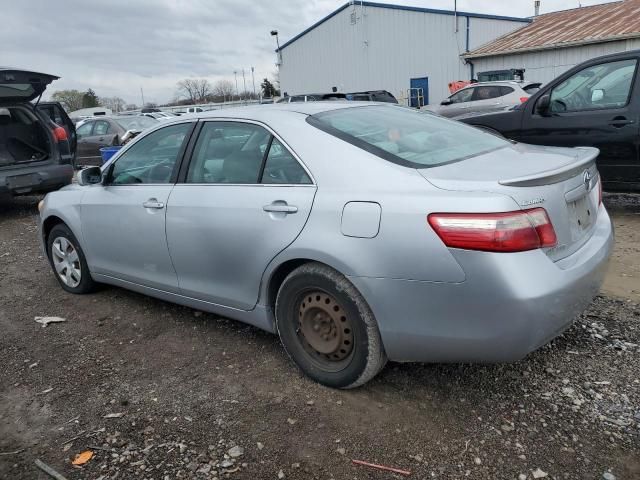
[(419, 92)]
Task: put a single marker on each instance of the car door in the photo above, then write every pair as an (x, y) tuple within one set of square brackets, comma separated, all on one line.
[(57, 114), (486, 98), (100, 137), (598, 105), (123, 220), (84, 151), (244, 198), (457, 104)]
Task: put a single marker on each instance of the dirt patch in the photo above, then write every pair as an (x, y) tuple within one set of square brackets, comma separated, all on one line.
[(188, 387)]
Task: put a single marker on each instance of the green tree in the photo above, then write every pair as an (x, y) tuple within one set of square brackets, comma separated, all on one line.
[(71, 100), (268, 89), (90, 99)]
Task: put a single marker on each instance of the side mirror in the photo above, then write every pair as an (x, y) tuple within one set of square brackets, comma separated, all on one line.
[(446, 101), (597, 95), (90, 176), (543, 104)]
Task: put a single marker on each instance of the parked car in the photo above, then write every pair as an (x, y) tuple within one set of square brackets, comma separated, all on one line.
[(161, 115), (596, 103), (485, 97), (312, 97), (36, 154), (372, 96), (356, 232), (97, 132), (194, 110)]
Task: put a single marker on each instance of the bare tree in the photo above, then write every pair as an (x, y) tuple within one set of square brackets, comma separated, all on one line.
[(116, 104), (195, 90), (71, 100), (224, 89)]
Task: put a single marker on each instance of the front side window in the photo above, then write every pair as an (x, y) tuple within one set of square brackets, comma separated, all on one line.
[(84, 130), (153, 158), (462, 96), (405, 136), (607, 85)]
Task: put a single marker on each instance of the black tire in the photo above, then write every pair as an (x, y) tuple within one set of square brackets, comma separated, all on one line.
[(86, 283), (315, 291)]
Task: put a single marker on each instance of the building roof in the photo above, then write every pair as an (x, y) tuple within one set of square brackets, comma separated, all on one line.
[(578, 26), (405, 8)]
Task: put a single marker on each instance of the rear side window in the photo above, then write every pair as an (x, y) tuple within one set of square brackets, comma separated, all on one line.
[(532, 88), (505, 91), (101, 128), (405, 136), (486, 93), (242, 153)]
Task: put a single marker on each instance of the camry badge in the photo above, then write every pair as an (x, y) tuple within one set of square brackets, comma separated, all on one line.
[(533, 201)]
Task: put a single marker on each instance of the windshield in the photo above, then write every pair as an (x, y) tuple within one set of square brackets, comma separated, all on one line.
[(406, 136), (136, 122)]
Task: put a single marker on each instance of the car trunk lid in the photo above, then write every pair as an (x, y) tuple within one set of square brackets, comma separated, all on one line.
[(563, 181), (22, 85)]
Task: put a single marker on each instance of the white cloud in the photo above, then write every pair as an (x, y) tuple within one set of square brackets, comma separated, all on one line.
[(118, 46)]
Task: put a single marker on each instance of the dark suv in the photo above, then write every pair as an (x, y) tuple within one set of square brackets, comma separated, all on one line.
[(596, 103), (37, 142)]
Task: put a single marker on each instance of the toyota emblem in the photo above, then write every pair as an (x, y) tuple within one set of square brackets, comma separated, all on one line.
[(586, 178)]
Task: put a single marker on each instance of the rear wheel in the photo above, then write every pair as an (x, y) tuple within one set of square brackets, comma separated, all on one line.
[(327, 327), (68, 261)]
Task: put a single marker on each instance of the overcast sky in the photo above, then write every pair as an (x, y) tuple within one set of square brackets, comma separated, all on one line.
[(118, 46)]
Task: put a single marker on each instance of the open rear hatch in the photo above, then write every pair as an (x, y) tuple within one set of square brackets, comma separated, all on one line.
[(21, 85), (563, 181)]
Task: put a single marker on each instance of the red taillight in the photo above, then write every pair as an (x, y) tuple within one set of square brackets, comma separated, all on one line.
[(60, 134), (495, 232), (523, 99)]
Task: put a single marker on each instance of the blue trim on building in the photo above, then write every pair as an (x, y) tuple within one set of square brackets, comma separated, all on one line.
[(408, 9)]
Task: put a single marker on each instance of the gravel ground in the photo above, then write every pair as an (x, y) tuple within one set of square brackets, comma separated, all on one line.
[(158, 391)]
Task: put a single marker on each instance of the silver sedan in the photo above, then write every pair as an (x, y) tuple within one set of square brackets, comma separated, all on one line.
[(357, 233)]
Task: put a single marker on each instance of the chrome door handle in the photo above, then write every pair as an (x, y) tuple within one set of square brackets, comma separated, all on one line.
[(153, 203), (279, 208)]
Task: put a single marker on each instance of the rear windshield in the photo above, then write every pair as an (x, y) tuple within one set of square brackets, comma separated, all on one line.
[(406, 136), (136, 122)]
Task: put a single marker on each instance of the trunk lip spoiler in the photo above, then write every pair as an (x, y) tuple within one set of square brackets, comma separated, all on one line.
[(584, 157)]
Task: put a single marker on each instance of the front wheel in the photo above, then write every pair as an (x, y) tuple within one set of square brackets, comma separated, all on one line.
[(68, 262), (327, 328)]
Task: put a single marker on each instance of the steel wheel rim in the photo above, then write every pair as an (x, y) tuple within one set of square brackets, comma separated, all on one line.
[(324, 330), (66, 262)]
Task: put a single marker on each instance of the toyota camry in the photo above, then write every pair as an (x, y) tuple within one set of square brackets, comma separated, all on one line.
[(356, 232)]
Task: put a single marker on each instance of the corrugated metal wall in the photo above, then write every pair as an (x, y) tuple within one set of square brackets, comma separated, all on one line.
[(384, 49), (546, 65)]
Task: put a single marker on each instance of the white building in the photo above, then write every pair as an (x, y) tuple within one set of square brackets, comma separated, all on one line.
[(373, 46), (90, 112), (555, 42)]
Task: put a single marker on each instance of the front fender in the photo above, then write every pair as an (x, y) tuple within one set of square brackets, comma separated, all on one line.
[(65, 205)]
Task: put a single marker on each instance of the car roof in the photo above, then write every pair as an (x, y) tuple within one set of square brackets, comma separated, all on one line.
[(305, 108)]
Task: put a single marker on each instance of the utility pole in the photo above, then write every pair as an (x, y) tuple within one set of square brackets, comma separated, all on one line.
[(235, 74), (244, 82), (142, 95), (253, 80)]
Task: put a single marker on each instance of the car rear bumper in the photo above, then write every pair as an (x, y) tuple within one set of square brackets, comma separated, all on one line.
[(508, 306), (33, 179)]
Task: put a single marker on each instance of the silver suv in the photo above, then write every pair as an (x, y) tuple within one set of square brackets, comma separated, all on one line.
[(485, 97)]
